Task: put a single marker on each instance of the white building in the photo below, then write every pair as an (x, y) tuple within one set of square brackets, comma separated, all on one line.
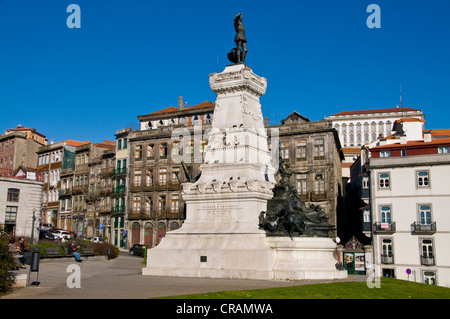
[(358, 128), (409, 203), (19, 198)]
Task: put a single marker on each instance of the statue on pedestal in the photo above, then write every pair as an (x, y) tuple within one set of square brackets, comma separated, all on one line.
[(237, 55)]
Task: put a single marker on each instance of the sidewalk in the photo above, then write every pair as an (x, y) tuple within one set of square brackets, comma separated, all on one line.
[(121, 278)]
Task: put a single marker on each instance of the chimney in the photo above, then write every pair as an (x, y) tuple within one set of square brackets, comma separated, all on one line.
[(180, 103), (427, 136), (403, 139), (266, 121)]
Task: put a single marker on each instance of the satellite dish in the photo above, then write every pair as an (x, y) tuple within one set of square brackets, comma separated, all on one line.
[(338, 240)]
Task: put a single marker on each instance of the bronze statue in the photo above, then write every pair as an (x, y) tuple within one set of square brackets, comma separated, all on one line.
[(237, 55), (288, 215)]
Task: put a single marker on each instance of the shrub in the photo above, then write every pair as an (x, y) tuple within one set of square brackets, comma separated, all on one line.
[(102, 249), (6, 263)]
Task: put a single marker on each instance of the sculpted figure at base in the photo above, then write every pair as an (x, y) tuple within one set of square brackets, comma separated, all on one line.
[(287, 214)]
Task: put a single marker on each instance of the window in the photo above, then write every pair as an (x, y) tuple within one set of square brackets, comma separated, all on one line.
[(365, 183), (149, 204), (136, 204), (319, 147), (163, 150), (404, 152), (387, 251), (443, 150), (285, 151), (383, 180), (138, 152), (427, 248), (175, 175), (300, 151), (175, 202), (302, 184), (385, 215), (161, 203), (385, 154), (137, 177), (423, 179), (149, 177), (319, 184), (425, 214), (162, 176), (119, 144), (10, 214), (125, 143), (13, 195), (429, 277), (151, 151)]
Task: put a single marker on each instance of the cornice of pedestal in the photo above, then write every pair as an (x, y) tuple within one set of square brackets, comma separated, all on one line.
[(237, 78), (232, 186)]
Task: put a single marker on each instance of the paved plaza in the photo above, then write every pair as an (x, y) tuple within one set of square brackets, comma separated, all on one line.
[(121, 278)]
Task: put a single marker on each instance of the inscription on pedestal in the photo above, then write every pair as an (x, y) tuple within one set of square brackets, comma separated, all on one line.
[(218, 209)]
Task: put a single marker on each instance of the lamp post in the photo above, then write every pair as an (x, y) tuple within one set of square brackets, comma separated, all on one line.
[(32, 226)]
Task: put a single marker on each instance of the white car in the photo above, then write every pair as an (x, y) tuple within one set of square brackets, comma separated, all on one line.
[(61, 234)]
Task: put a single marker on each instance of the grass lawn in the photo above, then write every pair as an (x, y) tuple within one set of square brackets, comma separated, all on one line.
[(389, 289)]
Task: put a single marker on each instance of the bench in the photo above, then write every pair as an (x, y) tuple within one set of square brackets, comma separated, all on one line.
[(86, 252), (55, 252)]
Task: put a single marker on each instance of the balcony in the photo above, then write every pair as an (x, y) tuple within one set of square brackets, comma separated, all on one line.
[(387, 258), (118, 190), (120, 171), (425, 229), (316, 197), (118, 209), (385, 228), (427, 260)]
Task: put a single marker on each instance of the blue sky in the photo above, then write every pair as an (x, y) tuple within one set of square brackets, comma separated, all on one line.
[(135, 57)]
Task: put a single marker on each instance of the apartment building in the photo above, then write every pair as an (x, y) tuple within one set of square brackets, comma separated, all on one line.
[(314, 154), (154, 199), (18, 147), (88, 186), (20, 200), (119, 232), (409, 209)]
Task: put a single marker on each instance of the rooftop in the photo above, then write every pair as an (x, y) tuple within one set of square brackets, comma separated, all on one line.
[(375, 111)]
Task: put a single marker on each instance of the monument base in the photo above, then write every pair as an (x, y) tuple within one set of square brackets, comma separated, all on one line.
[(232, 256), (243, 256), (302, 258)]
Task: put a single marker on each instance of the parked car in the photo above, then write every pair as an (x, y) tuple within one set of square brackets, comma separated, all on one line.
[(45, 234), (97, 240), (61, 234), (137, 250)]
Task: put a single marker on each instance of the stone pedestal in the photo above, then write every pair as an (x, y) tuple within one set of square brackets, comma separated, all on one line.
[(304, 258)]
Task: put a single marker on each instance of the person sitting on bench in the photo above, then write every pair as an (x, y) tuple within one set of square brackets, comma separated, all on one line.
[(73, 250)]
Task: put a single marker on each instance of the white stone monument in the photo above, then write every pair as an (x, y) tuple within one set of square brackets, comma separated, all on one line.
[(220, 237)]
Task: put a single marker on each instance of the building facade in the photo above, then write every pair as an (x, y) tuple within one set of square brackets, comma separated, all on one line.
[(18, 147), (409, 198), (20, 199), (119, 223), (362, 127), (314, 154), (156, 172)]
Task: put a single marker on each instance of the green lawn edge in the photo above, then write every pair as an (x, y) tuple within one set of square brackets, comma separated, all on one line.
[(388, 289)]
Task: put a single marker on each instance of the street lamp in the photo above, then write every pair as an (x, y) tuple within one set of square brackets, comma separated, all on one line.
[(32, 226)]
